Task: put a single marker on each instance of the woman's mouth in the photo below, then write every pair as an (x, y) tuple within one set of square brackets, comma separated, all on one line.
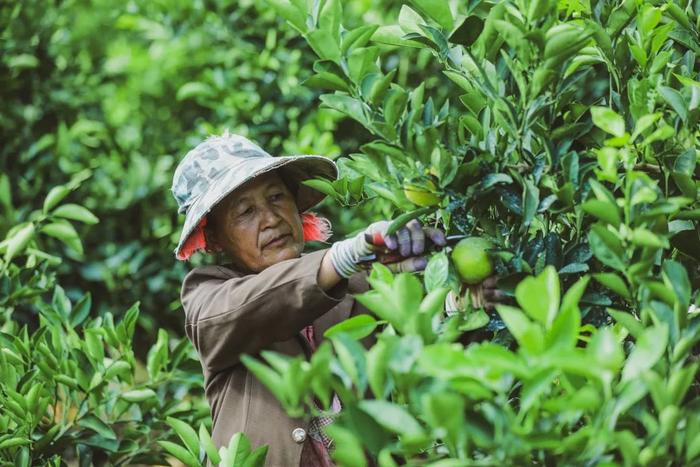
[(278, 242)]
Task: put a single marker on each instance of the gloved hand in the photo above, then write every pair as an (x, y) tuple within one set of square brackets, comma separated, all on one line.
[(408, 243)]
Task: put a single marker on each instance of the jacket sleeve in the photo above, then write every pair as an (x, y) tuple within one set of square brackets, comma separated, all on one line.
[(227, 315)]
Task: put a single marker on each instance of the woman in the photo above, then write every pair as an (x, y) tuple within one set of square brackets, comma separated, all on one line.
[(240, 200)]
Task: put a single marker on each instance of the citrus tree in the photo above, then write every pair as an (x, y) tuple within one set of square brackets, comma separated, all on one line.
[(566, 135)]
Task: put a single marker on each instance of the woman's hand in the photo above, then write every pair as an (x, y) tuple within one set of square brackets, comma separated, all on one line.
[(402, 250), (487, 294)]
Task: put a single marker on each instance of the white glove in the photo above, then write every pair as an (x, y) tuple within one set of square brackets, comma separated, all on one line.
[(409, 240)]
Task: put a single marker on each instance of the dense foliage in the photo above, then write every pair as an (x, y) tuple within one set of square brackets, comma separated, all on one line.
[(565, 132), (100, 100)]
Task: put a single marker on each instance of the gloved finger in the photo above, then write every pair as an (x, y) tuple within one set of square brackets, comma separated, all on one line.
[(391, 241), (376, 236), (436, 236), (404, 241), (412, 264), (417, 236), (494, 295)]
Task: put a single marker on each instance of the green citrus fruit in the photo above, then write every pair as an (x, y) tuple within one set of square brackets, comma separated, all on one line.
[(421, 194), (471, 260)]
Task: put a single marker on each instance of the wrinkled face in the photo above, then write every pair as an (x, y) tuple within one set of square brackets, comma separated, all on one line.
[(258, 224)]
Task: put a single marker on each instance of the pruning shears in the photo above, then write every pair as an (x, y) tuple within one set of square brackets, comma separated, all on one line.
[(386, 256)]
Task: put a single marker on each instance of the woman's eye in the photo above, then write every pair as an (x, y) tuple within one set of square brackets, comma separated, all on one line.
[(277, 196), (247, 211)]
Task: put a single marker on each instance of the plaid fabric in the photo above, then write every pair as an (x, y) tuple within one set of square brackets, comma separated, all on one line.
[(317, 423)]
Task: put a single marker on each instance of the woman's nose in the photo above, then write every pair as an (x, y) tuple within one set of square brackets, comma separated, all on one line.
[(270, 217)]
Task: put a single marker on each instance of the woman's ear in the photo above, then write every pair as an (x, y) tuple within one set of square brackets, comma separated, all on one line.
[(211, 237)]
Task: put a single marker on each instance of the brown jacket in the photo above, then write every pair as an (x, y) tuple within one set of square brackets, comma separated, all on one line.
[(229, 313)]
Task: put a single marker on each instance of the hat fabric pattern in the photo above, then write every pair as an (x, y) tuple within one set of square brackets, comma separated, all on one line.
[(220, 164)]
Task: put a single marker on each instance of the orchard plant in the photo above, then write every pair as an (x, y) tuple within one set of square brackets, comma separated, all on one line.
[(563, 138), (71, 388)]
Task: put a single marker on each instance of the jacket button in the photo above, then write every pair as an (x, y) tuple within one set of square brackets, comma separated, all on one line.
[(299, 435)]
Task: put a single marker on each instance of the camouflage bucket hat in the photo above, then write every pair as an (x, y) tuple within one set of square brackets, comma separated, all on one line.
[(220, 164)]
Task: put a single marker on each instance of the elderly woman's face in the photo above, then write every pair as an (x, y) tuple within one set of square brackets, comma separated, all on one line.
[(259, 224)]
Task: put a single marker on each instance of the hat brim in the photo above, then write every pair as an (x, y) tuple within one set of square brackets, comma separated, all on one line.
[(296, 169)]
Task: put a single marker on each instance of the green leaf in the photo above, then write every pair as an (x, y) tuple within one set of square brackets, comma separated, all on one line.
[(676, 278), (437, 271), (324, 44), (528, 334), (434, 301), (295, 16), (350, 106), (180, 453), (394, 35), (329, 18), (75, 212), (684, 173), (193, 90), (606, 350), (209, 447), (604, 247), (608, 120), (118, 368), (662, 133), (357, 327), (539, 296), (391, 416), (644, 237), (644, 123), (351, 356), (81, 310), (14, 442), (97, 425), (186, 434), (322, 185), (358, 37), (675, 100), (348, 448), (628, 321), (19, 241), (380, 86), (565, 328), (267, 376), (138, 395), (378, 364), (614, 282), (409, 20), (55, 196), (362, 61), (438, 10), (535, 388), (603, 210), (649, 348), (237, 450), (326, 80), (94, 345), (66, 233), (403, 219), (531, 200), (257, 457)]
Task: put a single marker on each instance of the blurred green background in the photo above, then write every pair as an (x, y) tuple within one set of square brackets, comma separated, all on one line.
[(126, 88)]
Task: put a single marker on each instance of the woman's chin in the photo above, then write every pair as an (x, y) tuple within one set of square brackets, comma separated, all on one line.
[(289, 251)]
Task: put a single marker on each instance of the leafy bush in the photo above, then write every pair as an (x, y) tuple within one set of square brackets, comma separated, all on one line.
[(567, 134), (70, 385), (126, 92)]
